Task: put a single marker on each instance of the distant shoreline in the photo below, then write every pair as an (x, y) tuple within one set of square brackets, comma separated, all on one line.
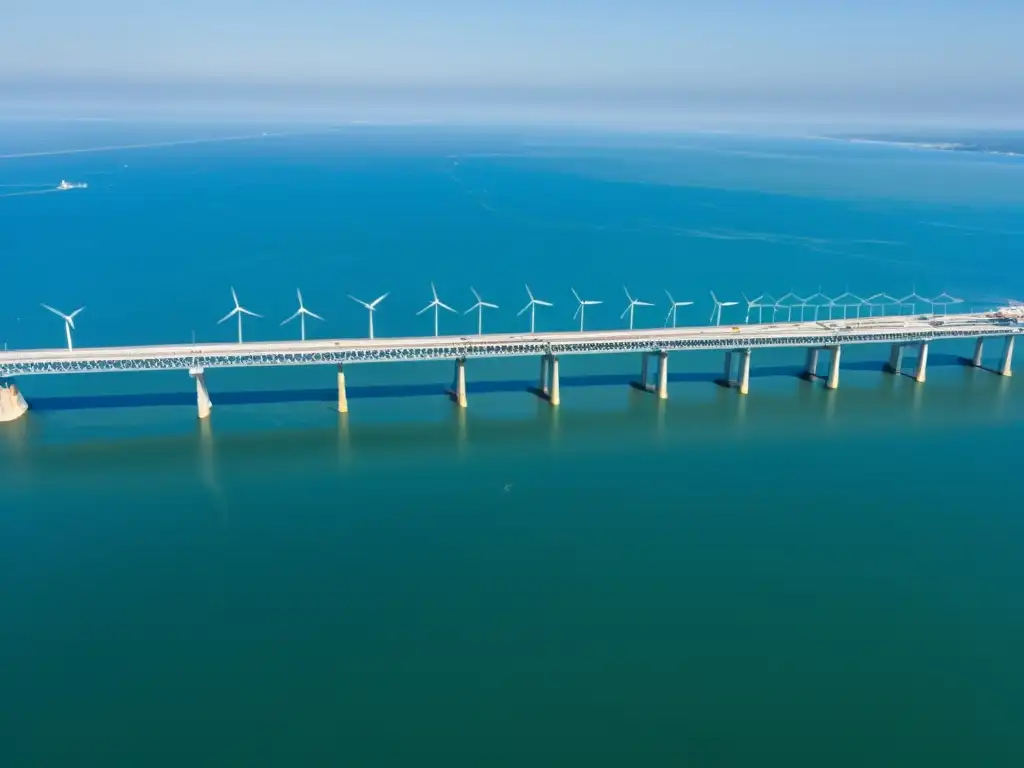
[(1008, 148)]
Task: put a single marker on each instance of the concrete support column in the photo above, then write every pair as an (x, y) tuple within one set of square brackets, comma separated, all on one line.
[(727, 374), (342, 394), (644, 369), (460, 382), (202, 394), (895, 358), (12, 403), (833, 368), (1006, 365), (922, 364), (663, 375), (553, 395), (744, 374), (542, 385), (979, 350), (812, 363)]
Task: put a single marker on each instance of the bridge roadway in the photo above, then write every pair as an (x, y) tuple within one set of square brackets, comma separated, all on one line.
[(889, 329)]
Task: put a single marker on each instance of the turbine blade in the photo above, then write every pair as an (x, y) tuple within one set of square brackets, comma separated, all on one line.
[(69, 321), (592, 302), (429, 306), (478, 304), (524, 309), (543, 303), (673, 301), (576, 296), (643, 304), (577, 312), (75, 313), (475, 294), (683, 303), (433, 290), (628, 297), (529, 292), (729, 303), (312, 314), (234, 296), (57, 312), (299, 294), (713, 297), (359, 301), (245, 311), (373, 304), (228, 316), (442, 305), (625, 312), (290, 318), (489, 306)]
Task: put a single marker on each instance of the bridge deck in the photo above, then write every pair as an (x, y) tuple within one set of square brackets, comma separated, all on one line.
[(888, 329)]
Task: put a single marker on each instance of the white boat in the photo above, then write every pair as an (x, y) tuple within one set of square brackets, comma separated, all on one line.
[(69, 185)]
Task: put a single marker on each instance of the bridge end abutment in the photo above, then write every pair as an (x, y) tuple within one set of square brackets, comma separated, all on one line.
[(12, 402)]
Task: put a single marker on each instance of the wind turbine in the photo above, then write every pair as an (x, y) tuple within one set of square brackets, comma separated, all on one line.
[(69, 320), (633, 304), (912, 300), (479, 307), (583, 304), (675, 305), (532, 306), (238, 310), (944, 300), (301, 314), (717, 311), (371, 307), (751, 304), (436, 305)]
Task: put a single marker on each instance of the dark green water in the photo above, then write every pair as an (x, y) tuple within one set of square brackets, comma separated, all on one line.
[(793, 578)]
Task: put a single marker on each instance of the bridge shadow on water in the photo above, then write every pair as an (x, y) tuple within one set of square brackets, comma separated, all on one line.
[(329, 395)]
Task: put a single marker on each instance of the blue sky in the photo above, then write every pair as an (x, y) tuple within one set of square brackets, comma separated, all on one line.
[(840, 55)]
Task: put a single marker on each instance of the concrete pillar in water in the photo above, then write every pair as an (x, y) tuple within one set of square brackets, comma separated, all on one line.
[(663, 375), (202, 394), (342, 394), (895, 358), (922, 364), (744, 374), (979, 350), (460, 382), (644, 364), (811, 370), (542, 385), (727, 374), (12, 403), (553, 395), (833, 367), (1006, 365)]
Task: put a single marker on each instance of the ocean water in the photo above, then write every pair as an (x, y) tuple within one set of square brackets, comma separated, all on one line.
[(795, 577)]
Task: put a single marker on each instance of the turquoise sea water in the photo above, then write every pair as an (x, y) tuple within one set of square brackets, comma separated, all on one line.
[(798, 577)]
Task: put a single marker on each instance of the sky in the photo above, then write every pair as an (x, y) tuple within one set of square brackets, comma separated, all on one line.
[(865, 57)]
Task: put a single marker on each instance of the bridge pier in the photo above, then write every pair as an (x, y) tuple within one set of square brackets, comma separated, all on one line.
[(543, 384), (895, 358), (833, 367), (12, 402), (811, 369), (727, 369), (553, 393), (645, 371), (744, 373), (342, 394), (202, 394), (921, 372), (459, 390), (662, 390), (1006, 365), (979, 351)]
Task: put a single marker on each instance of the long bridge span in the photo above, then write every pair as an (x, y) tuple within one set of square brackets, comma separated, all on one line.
[(737, 341)]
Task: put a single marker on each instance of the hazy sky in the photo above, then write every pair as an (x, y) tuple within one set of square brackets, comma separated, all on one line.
[(865, 54)]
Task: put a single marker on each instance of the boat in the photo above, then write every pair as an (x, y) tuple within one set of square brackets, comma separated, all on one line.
[(70, 185)]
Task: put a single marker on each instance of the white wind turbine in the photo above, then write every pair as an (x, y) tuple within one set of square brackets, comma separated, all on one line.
[(716, 313), (633, 304), (751, 305), (582, 308), (371, 307), (675, 305), (479, 307), (532, 306), (69, 320), (436, 305), (301, 314), (238, 310)]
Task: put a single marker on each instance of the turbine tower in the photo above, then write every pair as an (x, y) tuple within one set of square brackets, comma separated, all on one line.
[(69, 320), (436, 305), (532, 306), (238, 310), (371, 307), (633, 304), (716, 313), (673, 308), (301, 314), (479, 307), (582, 308)]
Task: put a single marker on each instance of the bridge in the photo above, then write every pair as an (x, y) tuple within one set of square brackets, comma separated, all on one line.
[(738, 342)]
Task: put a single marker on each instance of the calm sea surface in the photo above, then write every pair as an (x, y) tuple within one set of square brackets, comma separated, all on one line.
[(798, 577)]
